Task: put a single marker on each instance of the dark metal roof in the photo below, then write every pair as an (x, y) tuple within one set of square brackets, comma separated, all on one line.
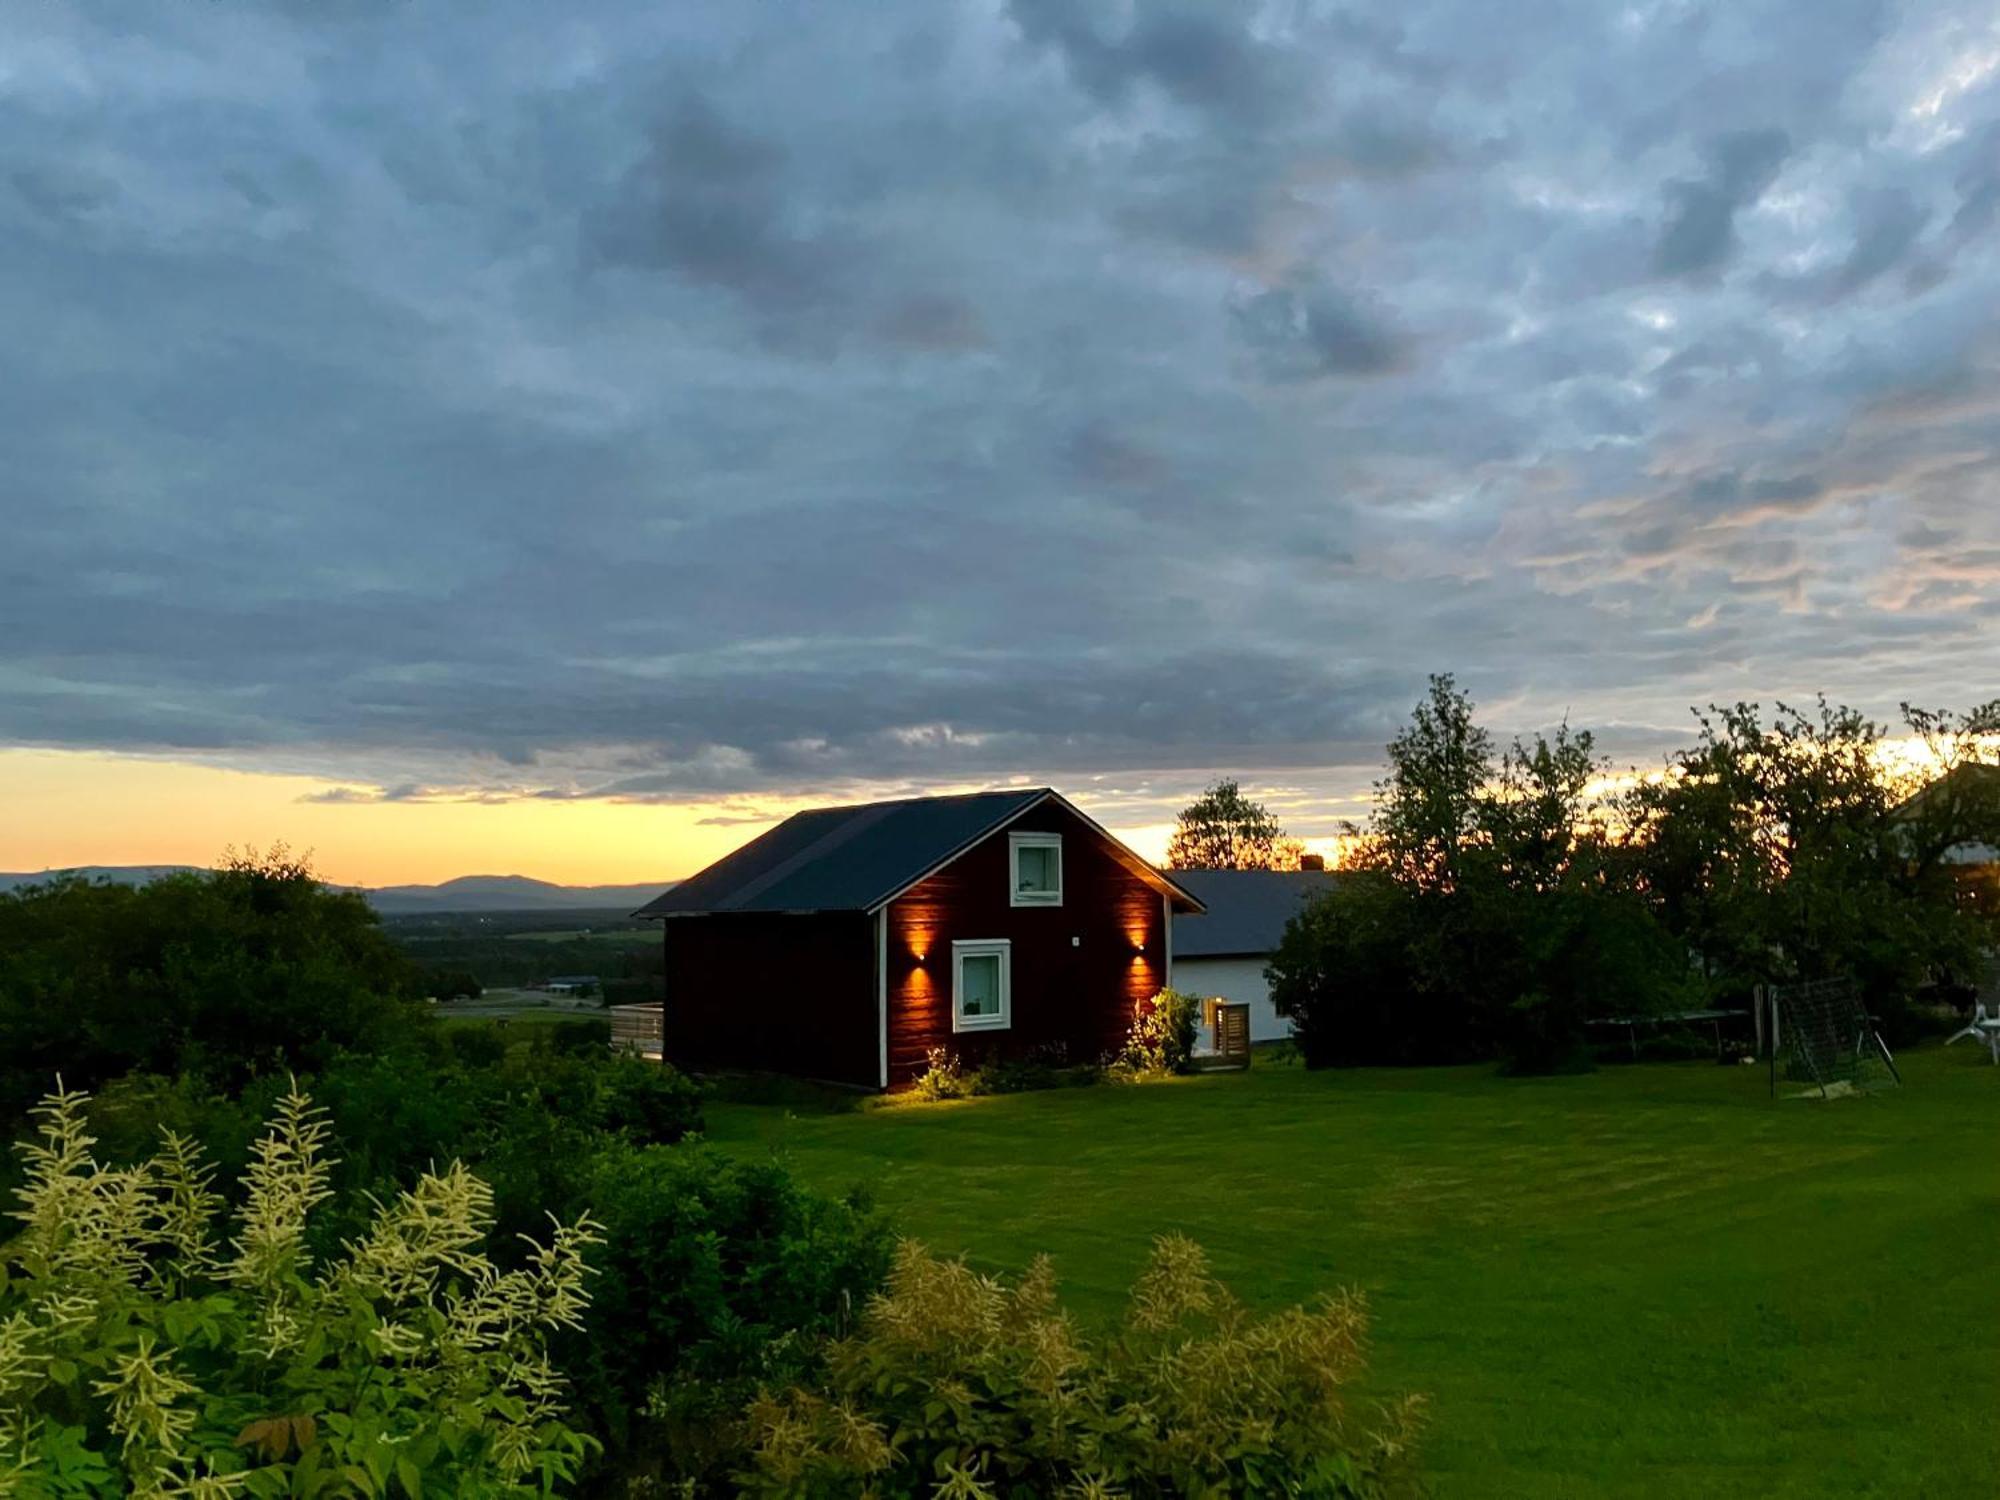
[(856, 858), (1247, 909), (843, 858)]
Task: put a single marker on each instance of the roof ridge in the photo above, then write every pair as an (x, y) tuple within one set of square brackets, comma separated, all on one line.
[(992, 791)]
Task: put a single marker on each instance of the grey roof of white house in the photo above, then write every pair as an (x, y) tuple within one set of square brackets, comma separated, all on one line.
[(1247, 909)]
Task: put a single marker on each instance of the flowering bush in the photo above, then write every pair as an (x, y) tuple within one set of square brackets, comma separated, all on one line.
[(1162, 1036), (958, 1385), (942, 1078), (140, 1354)]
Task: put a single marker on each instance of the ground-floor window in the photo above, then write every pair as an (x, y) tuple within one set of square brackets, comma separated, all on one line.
[(982, 985)]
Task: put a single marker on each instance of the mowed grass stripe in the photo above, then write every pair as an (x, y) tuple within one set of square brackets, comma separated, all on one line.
[(1652, 1280)]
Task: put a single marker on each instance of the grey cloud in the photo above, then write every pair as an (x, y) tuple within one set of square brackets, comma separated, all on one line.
[(1699, 234), (708, 202), (674, 402), (1101, 456), (1199, 54), (1317, 332), (1978, 186), (936, 323), (1887, 223)]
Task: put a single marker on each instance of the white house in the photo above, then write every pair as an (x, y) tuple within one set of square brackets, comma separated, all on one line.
[(1967, 794), (1223, 950)]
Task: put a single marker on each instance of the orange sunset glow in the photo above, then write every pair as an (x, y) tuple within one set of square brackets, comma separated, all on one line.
[(61, 809)]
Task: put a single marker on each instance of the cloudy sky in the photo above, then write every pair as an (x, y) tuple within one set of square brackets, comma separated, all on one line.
[(672, 412)]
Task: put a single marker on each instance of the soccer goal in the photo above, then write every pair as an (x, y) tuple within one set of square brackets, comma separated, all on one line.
[(1822, 1038)]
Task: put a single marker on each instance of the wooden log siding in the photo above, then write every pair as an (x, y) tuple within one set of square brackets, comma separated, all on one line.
[(1078, 968), (774, 992)]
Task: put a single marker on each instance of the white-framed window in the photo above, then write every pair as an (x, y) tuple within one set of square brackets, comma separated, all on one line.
[(1036, 868), (982, 985)]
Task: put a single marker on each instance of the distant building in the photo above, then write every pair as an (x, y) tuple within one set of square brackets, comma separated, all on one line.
[(1968, 796), (574, 984), (1223, 950)]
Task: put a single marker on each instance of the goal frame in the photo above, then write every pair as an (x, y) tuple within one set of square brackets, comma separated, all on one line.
[(1780, 1001)]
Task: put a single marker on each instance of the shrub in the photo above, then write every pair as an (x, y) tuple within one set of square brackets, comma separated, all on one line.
[(942, 1078), (1162, 1036), (477, 1046), (139, 1354), (530, 1126), (1046, 1066), (1350, 973), (719, 1277), (957, 1385), (592, 1034)]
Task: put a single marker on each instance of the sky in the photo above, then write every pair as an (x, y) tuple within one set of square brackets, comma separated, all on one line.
[(507, 436)]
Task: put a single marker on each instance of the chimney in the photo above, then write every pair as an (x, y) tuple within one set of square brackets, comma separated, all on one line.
[(1312, 861)]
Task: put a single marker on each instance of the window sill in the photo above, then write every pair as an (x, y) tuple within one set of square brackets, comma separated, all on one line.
[(980, 1023)]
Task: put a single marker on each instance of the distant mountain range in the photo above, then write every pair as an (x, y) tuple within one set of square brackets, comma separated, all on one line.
[(507, 893), (466, 893)]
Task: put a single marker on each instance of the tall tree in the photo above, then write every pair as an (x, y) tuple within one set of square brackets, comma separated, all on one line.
[(1224, 830), (1788, 850), (1487, 913), (1427, 809)]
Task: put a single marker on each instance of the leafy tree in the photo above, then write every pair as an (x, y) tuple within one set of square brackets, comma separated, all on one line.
[(1428, 808), (450, 984), (1787, 850), (1957, 805), (1224, 830), (1489, 910), (252, 968)]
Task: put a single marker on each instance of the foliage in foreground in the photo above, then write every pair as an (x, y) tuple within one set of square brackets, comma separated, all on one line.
[(142, 1355), (958, 1385), (719, 1277), (530, 1121)]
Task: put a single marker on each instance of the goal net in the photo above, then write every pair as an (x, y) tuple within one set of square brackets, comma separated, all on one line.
[(1825, 1041)]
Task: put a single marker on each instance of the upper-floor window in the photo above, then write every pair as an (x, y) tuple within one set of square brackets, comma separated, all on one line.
[(1037, 868)]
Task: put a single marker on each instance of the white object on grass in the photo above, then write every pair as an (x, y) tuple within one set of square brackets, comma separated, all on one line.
[(1984, 1027)]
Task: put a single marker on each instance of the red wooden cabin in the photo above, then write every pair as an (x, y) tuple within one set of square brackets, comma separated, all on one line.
[(847, 942)]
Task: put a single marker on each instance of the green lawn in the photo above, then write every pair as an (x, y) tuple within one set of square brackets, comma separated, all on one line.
[(1653, 1280)]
